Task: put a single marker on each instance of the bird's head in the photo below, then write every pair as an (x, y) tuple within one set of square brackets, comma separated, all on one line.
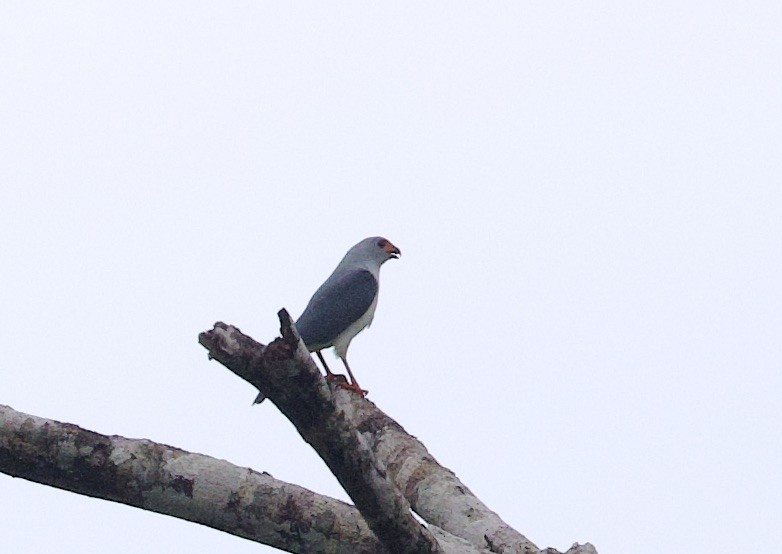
[(372, 252)]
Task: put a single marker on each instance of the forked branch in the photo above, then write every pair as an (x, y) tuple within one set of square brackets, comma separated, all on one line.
[(352, 435)]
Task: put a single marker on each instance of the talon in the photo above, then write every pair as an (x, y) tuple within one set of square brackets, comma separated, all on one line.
[(354, 388)]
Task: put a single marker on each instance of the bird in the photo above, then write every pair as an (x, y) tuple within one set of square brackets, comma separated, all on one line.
[(345, 303)]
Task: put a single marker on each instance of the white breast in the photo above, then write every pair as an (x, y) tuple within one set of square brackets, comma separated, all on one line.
[(342, 341)]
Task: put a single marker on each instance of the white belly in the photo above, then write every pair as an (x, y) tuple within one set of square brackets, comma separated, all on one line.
[(342, 341)]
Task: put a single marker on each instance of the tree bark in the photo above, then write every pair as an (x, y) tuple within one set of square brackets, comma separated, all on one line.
[(170, 481), (323, 415), (383, 469), (286, 374)]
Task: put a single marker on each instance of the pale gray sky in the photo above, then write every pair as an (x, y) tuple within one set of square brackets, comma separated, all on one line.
[(585, 322)]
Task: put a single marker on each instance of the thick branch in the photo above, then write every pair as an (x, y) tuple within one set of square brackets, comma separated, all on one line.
[(189, 486), (285, 373), (289, 377), (434, 491)]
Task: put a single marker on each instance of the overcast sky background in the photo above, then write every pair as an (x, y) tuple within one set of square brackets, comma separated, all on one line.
[(585, 322)]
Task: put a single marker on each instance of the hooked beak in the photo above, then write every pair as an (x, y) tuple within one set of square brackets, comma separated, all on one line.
[(393, 251)]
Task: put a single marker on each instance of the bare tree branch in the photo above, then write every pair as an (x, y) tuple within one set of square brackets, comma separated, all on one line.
[(286, 374), (378, 463), (324, 418), (434, 492), (170, 481)]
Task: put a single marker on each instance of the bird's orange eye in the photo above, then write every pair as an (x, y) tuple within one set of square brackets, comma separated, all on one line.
[(382, 243)]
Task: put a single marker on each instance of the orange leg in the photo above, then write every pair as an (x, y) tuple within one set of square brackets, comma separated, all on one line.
[(354, 386), (329, 375)]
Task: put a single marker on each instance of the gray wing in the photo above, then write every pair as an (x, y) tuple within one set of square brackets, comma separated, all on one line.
[(340, 301)]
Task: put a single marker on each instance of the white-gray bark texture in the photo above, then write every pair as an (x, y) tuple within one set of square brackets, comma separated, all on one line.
[(385, 471), (170, 481)]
